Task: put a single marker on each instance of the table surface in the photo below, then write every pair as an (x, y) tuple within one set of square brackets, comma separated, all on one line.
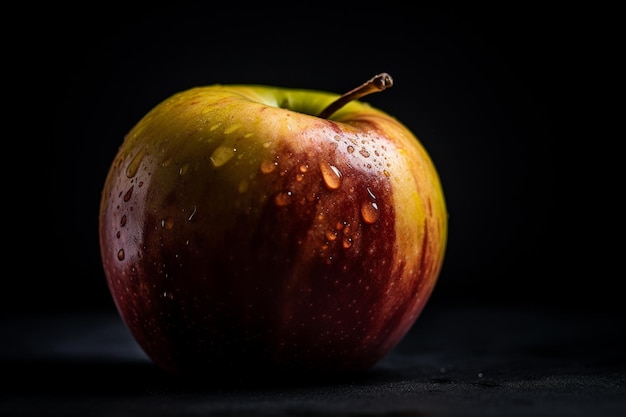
[(455, 361)]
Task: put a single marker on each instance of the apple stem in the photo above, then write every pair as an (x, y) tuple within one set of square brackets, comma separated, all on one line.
[(377, 83)]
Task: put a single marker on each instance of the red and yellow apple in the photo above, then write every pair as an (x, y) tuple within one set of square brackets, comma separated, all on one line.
[(239, 230)]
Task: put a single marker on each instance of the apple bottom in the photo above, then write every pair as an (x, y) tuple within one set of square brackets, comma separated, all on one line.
[(246, 338), (299, 298), (293, 312)]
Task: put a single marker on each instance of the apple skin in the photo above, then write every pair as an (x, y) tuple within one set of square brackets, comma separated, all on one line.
[(240, 232)]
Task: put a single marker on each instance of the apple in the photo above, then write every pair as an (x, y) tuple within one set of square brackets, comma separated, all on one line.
[(256, 228)]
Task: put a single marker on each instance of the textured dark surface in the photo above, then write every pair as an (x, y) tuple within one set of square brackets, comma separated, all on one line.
[(454, 362)]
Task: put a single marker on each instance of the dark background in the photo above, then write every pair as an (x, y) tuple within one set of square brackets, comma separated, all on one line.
[(492, 94)]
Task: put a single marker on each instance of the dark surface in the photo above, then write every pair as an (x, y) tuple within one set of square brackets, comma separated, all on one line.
[(454, 362)]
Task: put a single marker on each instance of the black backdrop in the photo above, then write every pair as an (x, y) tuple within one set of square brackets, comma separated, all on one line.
[(482, 89)]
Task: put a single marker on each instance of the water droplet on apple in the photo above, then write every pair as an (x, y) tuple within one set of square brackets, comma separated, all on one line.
[(221, 155), (192, 214), (123, 221), (304, 168), (331, 235), (120, 255), (268, 166), (387, 173), (370, 212), (364, 153), (167, 223), (337, 138), (183, 169), (232, 128), (347, 242), (283, 199), (267, 144), (129, 193), (350, 149), (331, 175), (133, 167)]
